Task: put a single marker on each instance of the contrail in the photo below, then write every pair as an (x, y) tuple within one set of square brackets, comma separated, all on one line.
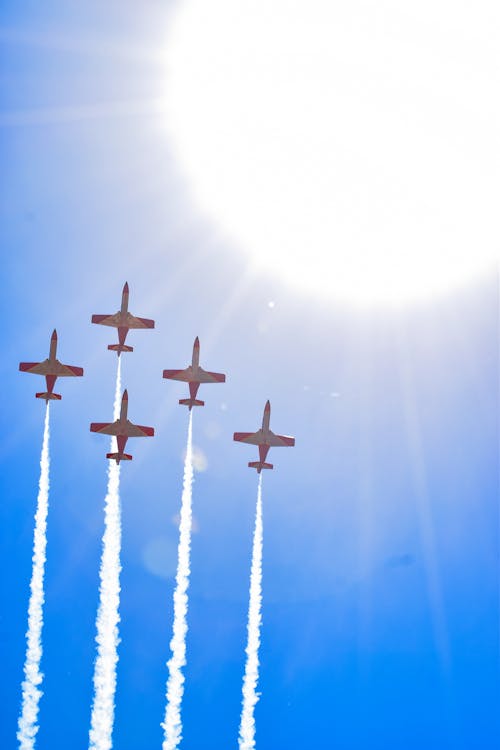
[(250, 695), (107, 638), (172, 724), (28, 720)]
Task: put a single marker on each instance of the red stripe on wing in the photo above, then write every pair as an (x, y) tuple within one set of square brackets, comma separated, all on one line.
[(243, 437), (27, 366), (78, 371), (98, 426), (148, 431), (147, 322), (286, 441), (212, 377), (176, 375)]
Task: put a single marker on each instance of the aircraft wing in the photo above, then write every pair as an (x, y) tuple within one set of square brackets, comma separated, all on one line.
[(280, 441), (105, 428), (38, 368), (184, 375), (137, 430), (115, 428), (254, 438), (210, 377), (107, 320), (47, 368), (66, 370), (115, 321), (133, 322)]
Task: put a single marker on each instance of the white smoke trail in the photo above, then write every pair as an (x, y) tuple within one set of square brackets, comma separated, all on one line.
[(28, 720), (172, 724), (250, 695), (107, 638)]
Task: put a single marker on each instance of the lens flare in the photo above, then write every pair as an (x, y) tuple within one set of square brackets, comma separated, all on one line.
[(345, 147)]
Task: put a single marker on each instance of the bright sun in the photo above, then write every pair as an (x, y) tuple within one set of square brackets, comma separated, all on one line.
[(347, 146)]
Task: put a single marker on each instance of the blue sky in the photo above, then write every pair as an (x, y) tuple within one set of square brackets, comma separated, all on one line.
[(381, 527)]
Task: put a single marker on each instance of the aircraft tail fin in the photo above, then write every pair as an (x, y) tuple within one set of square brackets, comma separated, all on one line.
[(119, 457), (259, 465), (120, 348), (49, 396), (191, 402)]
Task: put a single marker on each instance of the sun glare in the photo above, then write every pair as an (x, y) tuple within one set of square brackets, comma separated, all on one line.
[(347, 147)]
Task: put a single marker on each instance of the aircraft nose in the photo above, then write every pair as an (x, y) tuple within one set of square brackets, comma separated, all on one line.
[(54, 335), (125, 288), (125, 395), (197, 342)]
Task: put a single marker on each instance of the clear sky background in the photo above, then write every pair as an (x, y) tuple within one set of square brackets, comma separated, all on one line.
[(381, 527)]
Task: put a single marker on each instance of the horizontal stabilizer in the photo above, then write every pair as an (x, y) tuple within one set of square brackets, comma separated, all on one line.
[(119, 457), (191, 402), (49, 396), (120, 348), (260, 465)]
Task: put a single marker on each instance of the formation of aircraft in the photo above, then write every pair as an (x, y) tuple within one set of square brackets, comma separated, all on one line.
[(124, 321), (264, 438), (52, 369), (193, 374), (122, 429)]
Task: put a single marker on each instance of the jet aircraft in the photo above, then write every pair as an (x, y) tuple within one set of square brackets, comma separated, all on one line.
[(194, 375), (265, 439), (52, 369), (122, 429), (124, 321)]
